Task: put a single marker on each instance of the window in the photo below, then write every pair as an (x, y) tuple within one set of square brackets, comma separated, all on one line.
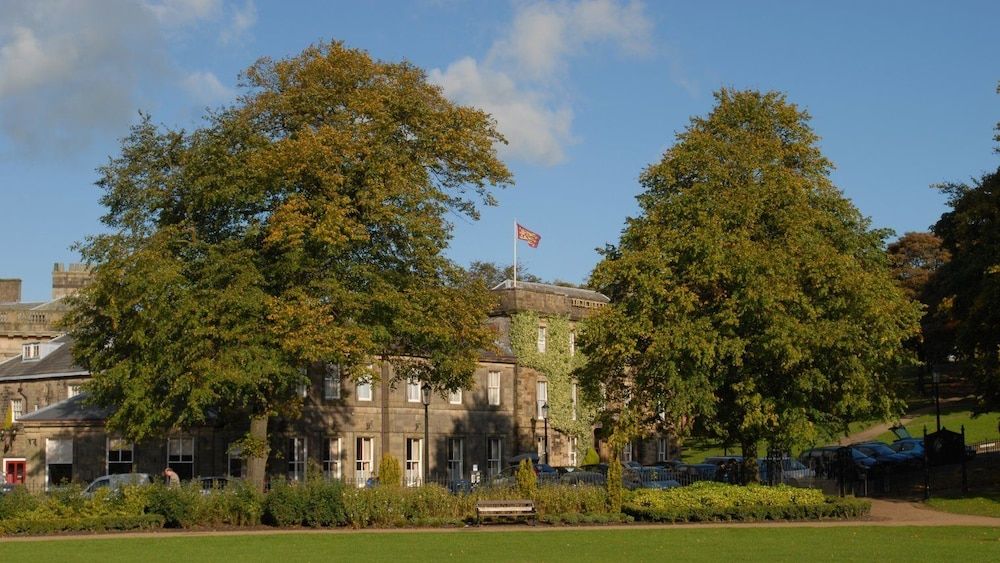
[(58, 461), (331, 461), (297, 459), (365, 390), (72, 391), (661, 449), (455, 397), (572, 451), (541, 340), (30, 351), (494, 456), (413, 391), (542, 396), (303, 388), (493, 385), (414, 457), (180, 456), (627, 453), (456, 447), (120, 456), (572, 343), (572, 399), (235, 465), (16, 409), (331, 381), (363, 452)]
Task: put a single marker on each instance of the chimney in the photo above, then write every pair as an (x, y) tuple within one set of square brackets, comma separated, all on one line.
[(68, 279), (10, 290)]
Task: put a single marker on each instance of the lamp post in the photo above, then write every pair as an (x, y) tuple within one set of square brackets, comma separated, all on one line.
[(937, 398), (425, 398), (545, 417)]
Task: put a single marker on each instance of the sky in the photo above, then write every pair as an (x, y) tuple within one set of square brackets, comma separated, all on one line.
[(589, 93)]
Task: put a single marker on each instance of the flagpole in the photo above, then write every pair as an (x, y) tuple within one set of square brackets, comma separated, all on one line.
[(515, 253)]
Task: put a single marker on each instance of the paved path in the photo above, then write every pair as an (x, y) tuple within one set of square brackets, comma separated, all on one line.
[(884, 513), (873, 432)]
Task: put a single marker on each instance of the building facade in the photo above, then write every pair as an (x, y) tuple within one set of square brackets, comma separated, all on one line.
[(25, 322), (51, 434)]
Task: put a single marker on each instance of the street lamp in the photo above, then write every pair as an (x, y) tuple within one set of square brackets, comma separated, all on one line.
[(937, 397), (545, 417), (425, 398)]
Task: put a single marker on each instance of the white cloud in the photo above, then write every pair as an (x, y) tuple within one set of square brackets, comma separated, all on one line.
[(242, 19), (520, 80), (181, 12), (205, 88)]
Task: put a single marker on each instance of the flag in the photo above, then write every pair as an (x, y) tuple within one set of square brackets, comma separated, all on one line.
[(531, 237)]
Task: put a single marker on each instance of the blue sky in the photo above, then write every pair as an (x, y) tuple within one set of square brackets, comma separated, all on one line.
[(588, 94)]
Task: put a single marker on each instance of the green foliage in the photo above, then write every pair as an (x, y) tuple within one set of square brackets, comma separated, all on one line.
[(306, 223), (614, 483), (179, 506), (969, 285), (390, 473), (707, 501), (17, 503), (750, 300), (557, 364), (591, 457), (33, 526), (527, 479)]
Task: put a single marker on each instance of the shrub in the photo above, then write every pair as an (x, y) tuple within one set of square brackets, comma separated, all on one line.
[(323, 503), (527, 480), (17, 502), (284, 504), (390, 474), (80, 524), (181, 507), (708, 501), (591, 457), (614, 485)]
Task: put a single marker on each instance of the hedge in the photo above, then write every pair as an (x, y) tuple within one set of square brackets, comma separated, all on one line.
[(11, 526), (711, 502)]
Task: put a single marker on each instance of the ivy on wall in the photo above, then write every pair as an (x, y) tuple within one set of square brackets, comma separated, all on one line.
[(557, 365)]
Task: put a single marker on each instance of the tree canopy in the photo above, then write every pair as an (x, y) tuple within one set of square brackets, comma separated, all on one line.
[(750, 300), (305, 223), (970, 282)]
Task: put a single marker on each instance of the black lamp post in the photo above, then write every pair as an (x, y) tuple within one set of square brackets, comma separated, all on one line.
[(937, 397), (545, 417), (425, 398)]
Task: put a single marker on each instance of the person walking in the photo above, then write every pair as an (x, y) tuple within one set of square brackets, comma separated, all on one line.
[(171, 478)]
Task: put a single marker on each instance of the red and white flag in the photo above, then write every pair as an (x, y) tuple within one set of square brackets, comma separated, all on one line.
[(531, 237)]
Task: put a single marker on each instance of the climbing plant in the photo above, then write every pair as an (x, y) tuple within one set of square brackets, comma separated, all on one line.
[(556, 364)]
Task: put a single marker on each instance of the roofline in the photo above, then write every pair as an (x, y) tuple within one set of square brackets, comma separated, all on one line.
[(33, 376)]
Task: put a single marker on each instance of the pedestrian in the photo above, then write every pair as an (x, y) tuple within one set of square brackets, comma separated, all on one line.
[(171, 477)]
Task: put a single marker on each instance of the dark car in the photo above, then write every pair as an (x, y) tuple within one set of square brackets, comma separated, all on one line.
[(209, 484), (882, 453), (824, 461)]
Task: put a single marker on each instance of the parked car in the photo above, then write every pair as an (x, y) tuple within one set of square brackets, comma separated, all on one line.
[(655, 478), (791, 471), (581, 477), (883, 454), (824, 460), (688, 473), (5, 487), (117, 482), (911, 447), (209, 484)]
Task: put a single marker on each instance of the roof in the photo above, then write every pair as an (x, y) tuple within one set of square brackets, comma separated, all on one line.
[(74, 409), (572, 292), (58, 362)]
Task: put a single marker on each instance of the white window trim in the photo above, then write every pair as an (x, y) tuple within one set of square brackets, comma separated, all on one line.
[(493, 391), (494, 465), (31, 351), (107, 456), (542, 337), (333, 464), (365, 384), (363, 466), (541, 396), (455, 397), (297, 458), (16, 409), (331, 382), (413, 391), (413, 475)]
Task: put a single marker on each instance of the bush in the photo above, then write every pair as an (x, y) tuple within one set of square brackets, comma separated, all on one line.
[(32, 526), (709, 501), (181, 507), (323, 503), (17, 502), (591, 457), (390, 474), (284, 505), (614, 485), (527, 480)]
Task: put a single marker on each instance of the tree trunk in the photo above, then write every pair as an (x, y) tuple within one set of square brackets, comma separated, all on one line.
[(256, 457), (750, 472)]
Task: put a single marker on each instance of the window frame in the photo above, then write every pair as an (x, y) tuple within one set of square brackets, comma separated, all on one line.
[(413, 391), (490, 388), (333, 458), (456, 462), (331, 381)]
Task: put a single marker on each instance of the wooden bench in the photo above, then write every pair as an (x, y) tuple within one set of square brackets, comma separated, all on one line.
[(505, 508)]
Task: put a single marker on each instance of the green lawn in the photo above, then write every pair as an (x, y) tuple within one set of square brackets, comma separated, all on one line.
[(978, 429), (855, 543), (987, 504)]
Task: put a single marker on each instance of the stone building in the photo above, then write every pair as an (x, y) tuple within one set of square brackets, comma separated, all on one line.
[(32, 322), (345, 427)]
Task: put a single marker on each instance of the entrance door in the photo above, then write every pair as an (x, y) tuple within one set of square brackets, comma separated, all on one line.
[(14, 471)]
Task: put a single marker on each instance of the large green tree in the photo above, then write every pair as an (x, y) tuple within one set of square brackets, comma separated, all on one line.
[(305, 223), (750, 299), (970, 282)]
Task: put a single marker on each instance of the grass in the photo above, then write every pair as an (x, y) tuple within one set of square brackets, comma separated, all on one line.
[(986, 504), (978, 429), (865, 544)]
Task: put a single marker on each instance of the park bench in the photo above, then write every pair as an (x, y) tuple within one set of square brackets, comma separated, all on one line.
[(505, 508)]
